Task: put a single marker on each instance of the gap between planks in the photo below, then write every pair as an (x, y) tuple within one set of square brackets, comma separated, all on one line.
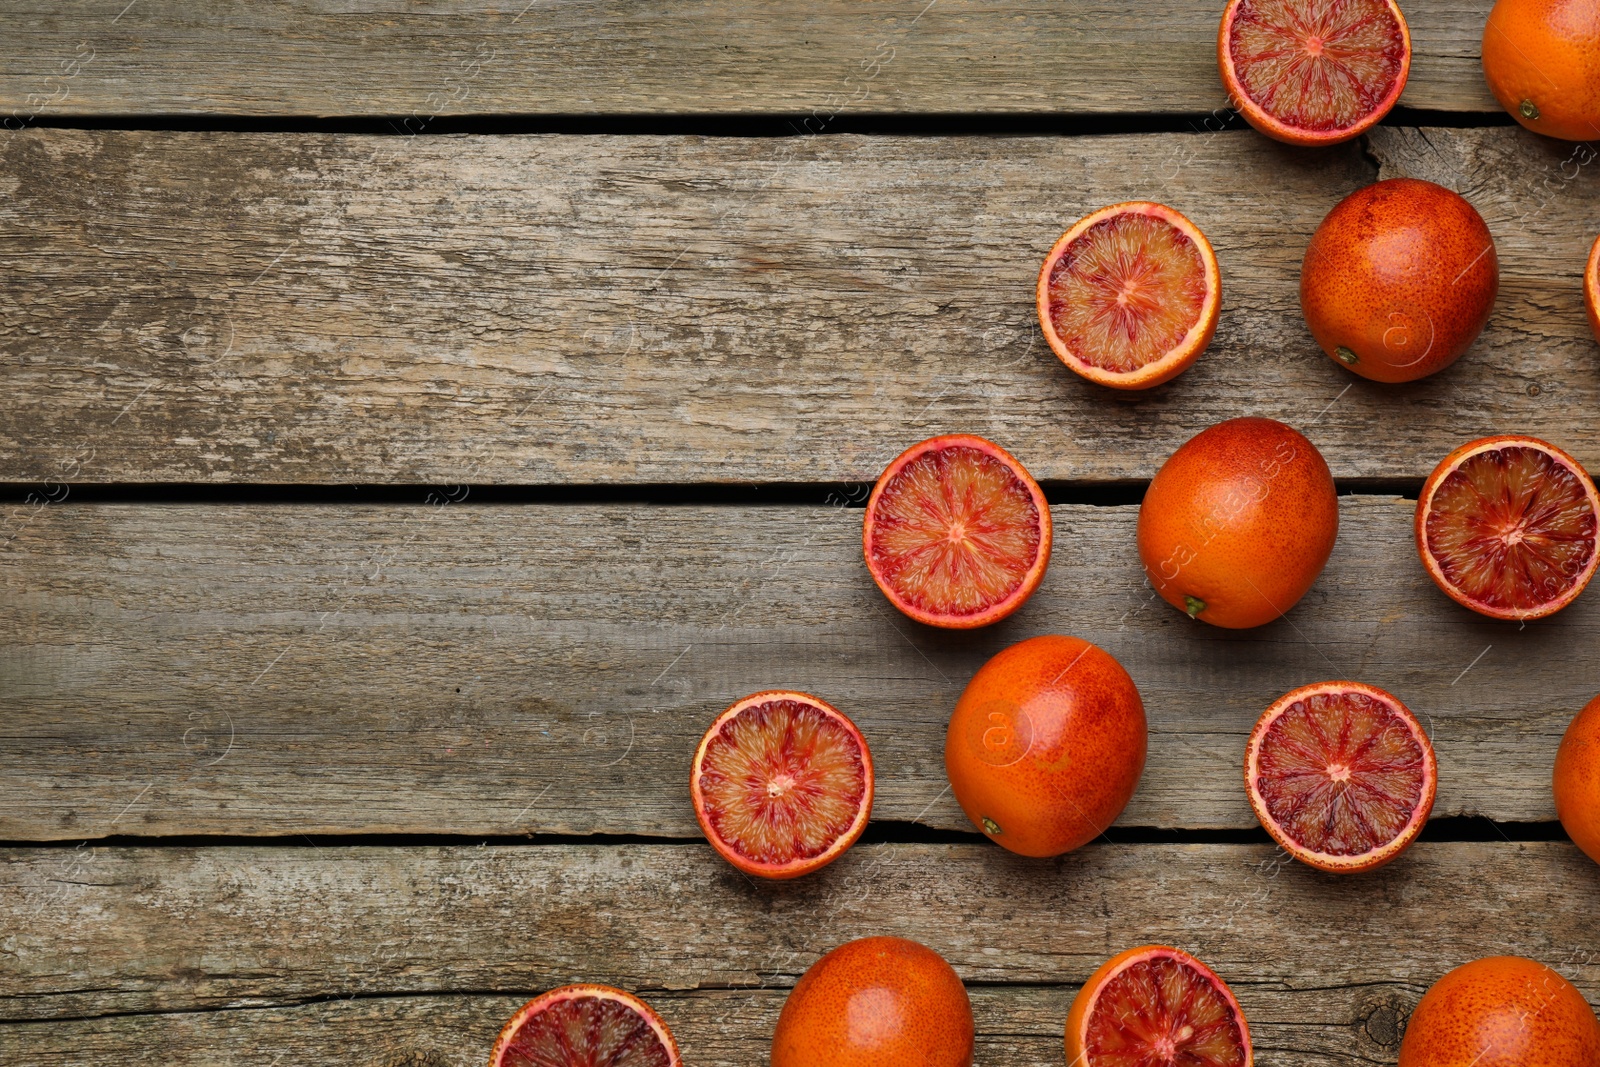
[(1442, 829)]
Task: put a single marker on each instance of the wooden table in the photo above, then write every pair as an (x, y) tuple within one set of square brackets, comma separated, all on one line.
[(421, 419)]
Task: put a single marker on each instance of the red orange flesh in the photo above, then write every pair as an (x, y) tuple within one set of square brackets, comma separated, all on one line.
[(1399, 280), (1156, 1006), (1128, 297), (1504, 1011), (1046, 745), (782, 784), (1577, 780), (1507, 527), (1341, 775), (585, 1026), (876, 1002), (957, 534), (1313, 72)]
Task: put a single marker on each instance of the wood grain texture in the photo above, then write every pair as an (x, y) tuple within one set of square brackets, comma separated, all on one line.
[(818, 57), (481, 669), (568, 309), (177, 930)]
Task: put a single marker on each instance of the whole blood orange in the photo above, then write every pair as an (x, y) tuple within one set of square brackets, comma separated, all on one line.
[(1542, 61), (957, 534), (1156, 1006), (1128, 297), (876, 1002), (1341, 775), (1507, 527), (1577, 780), (585, 1026), (1313, 72), (1504, 1011), (782, 784), (1046, 745), (1399, 280), (1238, 523), (1591, 288)]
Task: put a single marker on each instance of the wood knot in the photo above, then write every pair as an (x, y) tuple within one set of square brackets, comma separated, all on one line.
[(1383, 1022)]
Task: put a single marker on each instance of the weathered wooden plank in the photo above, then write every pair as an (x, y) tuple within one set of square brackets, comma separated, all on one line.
[(1019, 1025), (338, 57), (139, 930), (499, 669), (323, 309)]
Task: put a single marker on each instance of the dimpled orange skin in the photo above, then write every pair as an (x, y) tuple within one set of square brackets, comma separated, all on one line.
[(876, 1002), (1504, 1011), (1240, 521), (1577, 780), (1046, 745), (1591, 288), (1399, 280), (1541, 59)]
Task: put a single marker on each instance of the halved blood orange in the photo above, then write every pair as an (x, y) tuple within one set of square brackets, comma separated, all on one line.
[(1313, 72), (1128, 297), (1156, 1006), (1591, 288), (1341, 775), (956, 534), (782, 784), (1507, 527), (585, 1026)]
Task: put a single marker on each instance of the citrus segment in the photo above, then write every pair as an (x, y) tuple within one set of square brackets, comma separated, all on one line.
[(1313, 71), (1341, 775), (585, 1026), (1507, 527), (956, 533), (782, 784), (1128, 297), (1156, 1007)]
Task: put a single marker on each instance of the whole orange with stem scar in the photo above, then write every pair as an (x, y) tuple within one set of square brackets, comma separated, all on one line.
[(1541, 59), (1046, 745), (1399, 280), (1237, 525)]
